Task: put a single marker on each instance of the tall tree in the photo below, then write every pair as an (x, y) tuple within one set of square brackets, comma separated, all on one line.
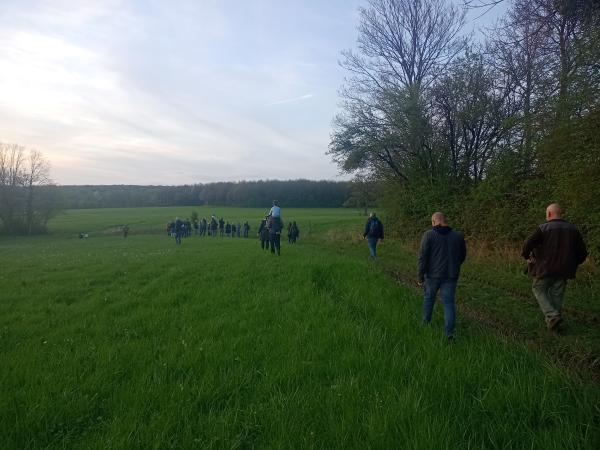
[(12, 162), (37, 173), (403, 47), (22, 176), (472, 109)]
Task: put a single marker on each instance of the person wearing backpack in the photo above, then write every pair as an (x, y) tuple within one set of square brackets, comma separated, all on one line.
[(373, 233)]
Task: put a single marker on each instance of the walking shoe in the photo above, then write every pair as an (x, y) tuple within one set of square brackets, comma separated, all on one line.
[(554, 323)]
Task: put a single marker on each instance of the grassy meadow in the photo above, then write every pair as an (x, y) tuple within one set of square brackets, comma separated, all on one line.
[(110, 342)]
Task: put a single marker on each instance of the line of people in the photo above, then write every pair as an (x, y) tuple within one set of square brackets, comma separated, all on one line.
[(180, 228), (553, 253), (269, 231)]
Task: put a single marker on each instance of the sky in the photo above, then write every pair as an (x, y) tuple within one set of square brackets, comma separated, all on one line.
[(176, 92)]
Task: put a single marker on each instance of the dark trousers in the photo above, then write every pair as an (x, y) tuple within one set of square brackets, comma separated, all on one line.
[(264, 243), (275, 239)]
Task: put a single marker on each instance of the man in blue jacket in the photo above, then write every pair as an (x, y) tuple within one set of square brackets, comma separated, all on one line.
[(442, 252)]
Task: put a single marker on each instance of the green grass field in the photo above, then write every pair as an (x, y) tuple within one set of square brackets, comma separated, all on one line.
[(136, 343)]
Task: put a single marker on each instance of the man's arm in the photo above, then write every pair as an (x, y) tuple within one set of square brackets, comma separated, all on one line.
[(580, 249), (423, 258), (534, 241)]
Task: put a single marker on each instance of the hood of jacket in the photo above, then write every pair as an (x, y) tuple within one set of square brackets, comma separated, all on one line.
[(443, 230)]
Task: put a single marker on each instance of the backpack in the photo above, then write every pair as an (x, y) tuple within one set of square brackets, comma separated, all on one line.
[(373, 226)]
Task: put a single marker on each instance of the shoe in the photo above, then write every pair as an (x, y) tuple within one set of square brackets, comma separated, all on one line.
[(450, 339), (554, 323)]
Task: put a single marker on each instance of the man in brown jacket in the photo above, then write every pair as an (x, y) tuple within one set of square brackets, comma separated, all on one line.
[(553, 252)]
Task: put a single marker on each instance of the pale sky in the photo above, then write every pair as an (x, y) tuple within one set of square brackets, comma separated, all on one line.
[(175, 92)]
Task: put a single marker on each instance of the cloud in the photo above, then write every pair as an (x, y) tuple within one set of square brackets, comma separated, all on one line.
[(167, 94)]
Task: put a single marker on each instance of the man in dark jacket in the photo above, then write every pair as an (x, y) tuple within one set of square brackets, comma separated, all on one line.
[(553, 251), (442, 252), (275, 225), (373, 233), (179, 230), (263, 234)]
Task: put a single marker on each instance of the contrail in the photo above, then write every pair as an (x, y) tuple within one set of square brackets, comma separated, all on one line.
[(290, 100)]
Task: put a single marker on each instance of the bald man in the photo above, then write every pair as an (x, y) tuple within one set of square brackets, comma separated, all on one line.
[(442, 252), (553, 252)]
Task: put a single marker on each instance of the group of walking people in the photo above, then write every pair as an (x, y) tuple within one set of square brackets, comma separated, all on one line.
[(553, 253), (269, 230), (211, 227), (271, 227), (180, 228)]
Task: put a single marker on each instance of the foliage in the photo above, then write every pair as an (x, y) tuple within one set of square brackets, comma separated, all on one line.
[(364, 193), (296, 193), (570, 163), (495, 133)]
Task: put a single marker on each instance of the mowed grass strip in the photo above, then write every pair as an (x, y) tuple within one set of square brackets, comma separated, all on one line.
[(137, 343)]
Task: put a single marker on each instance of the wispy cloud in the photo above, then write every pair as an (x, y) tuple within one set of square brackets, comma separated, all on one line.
[(291, 100)]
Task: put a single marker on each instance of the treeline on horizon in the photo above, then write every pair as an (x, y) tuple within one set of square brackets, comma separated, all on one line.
[(290, 193), (489, 132)]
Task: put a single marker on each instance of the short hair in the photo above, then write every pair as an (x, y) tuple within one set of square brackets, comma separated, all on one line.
[(373, 214), (438, 216), (275, 203)]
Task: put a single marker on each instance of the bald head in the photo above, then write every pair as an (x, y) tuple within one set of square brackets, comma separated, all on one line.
[(438, 218), (553, 211)]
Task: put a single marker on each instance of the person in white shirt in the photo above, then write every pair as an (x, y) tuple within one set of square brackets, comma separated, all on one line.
[(275, 211)]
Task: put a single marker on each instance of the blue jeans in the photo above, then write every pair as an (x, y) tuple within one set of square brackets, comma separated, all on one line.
[(447, 288), (372, 246)]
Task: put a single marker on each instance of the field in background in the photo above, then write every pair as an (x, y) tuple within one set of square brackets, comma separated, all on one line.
[(109, 221), (136, 343)]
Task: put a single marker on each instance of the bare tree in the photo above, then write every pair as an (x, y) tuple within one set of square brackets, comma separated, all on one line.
[(564, 27), (22, 175), (473, 109), (516, 49), (37, 174), (403, 47), (12, 161), (405, 43)]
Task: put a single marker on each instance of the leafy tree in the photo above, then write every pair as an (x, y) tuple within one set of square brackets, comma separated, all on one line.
[(363, 193)]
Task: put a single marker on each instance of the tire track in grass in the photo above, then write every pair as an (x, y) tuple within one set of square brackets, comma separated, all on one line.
[(572, 361)]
